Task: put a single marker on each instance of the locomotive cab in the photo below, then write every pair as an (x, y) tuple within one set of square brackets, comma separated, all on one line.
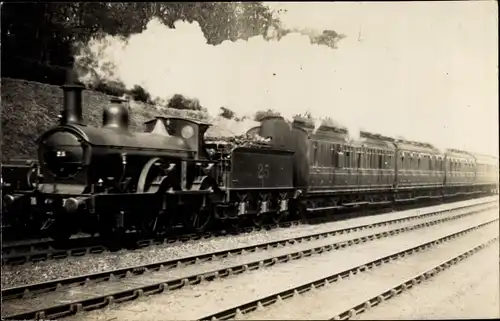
[(191, 131)]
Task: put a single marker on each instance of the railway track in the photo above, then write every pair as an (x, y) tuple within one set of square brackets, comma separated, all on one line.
[(21, 252), (25, 251), (59, 298), (335, 285)]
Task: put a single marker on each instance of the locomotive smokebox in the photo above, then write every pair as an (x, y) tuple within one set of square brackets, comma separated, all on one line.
[(116, 115), (72, 105), (276, 128)]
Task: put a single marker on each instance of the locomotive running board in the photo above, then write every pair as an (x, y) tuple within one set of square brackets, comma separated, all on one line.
[(355, 204), (189, 192)]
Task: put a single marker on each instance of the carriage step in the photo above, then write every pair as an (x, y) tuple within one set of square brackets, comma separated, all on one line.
[(326, 208), (402, 200), (381, 203)]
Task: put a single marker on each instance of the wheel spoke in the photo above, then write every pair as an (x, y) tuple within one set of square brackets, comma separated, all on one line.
[(198, 220)]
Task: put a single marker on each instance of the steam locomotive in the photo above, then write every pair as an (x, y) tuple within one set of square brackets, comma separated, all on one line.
[(108, 180)]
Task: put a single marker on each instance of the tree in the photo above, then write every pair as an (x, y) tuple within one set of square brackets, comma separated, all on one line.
[(180, 102), (44, 34), (227, 113), (329, 38)]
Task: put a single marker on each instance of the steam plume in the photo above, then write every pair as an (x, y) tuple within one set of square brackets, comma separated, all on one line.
[(290, 75)]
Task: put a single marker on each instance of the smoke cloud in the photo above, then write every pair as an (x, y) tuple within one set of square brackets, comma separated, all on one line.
[(291, 75)]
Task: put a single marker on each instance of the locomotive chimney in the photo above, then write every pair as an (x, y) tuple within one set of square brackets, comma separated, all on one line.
[(72, 105), (116, 115)]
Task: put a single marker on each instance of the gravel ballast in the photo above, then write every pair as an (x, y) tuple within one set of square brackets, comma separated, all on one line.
[(55, 269), (328, 302), (468, 290), (210, 297)]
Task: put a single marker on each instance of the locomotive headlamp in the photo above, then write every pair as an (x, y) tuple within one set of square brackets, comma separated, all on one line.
[(9, 199), (71, 205), (187, 132)]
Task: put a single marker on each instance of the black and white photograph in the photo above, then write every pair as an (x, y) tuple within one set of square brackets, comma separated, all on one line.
[(249, 160)]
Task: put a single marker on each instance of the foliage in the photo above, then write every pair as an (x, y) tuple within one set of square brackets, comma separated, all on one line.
[(46, 32), (181, 102), (227, 113)]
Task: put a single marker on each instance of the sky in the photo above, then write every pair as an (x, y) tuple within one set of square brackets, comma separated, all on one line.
[(426, 71)]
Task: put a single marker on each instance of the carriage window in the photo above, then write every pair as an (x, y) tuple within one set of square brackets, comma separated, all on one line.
[(359, 158), (334, 156), (352, 157), (315, 154), (347, 157), (328, 160), (337, 155), (418, 163), (321, 154)]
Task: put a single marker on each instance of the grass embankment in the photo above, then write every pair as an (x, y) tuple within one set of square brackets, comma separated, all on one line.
[(29, 108)]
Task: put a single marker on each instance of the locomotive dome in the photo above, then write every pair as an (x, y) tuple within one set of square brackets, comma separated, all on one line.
[(116, 115)]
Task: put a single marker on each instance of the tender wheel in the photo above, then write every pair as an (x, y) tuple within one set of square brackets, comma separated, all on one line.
[(258, 220), (279, 217)]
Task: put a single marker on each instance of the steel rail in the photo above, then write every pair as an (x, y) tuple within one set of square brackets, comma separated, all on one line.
[(100, 300), (298, 290), (395, 290)]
